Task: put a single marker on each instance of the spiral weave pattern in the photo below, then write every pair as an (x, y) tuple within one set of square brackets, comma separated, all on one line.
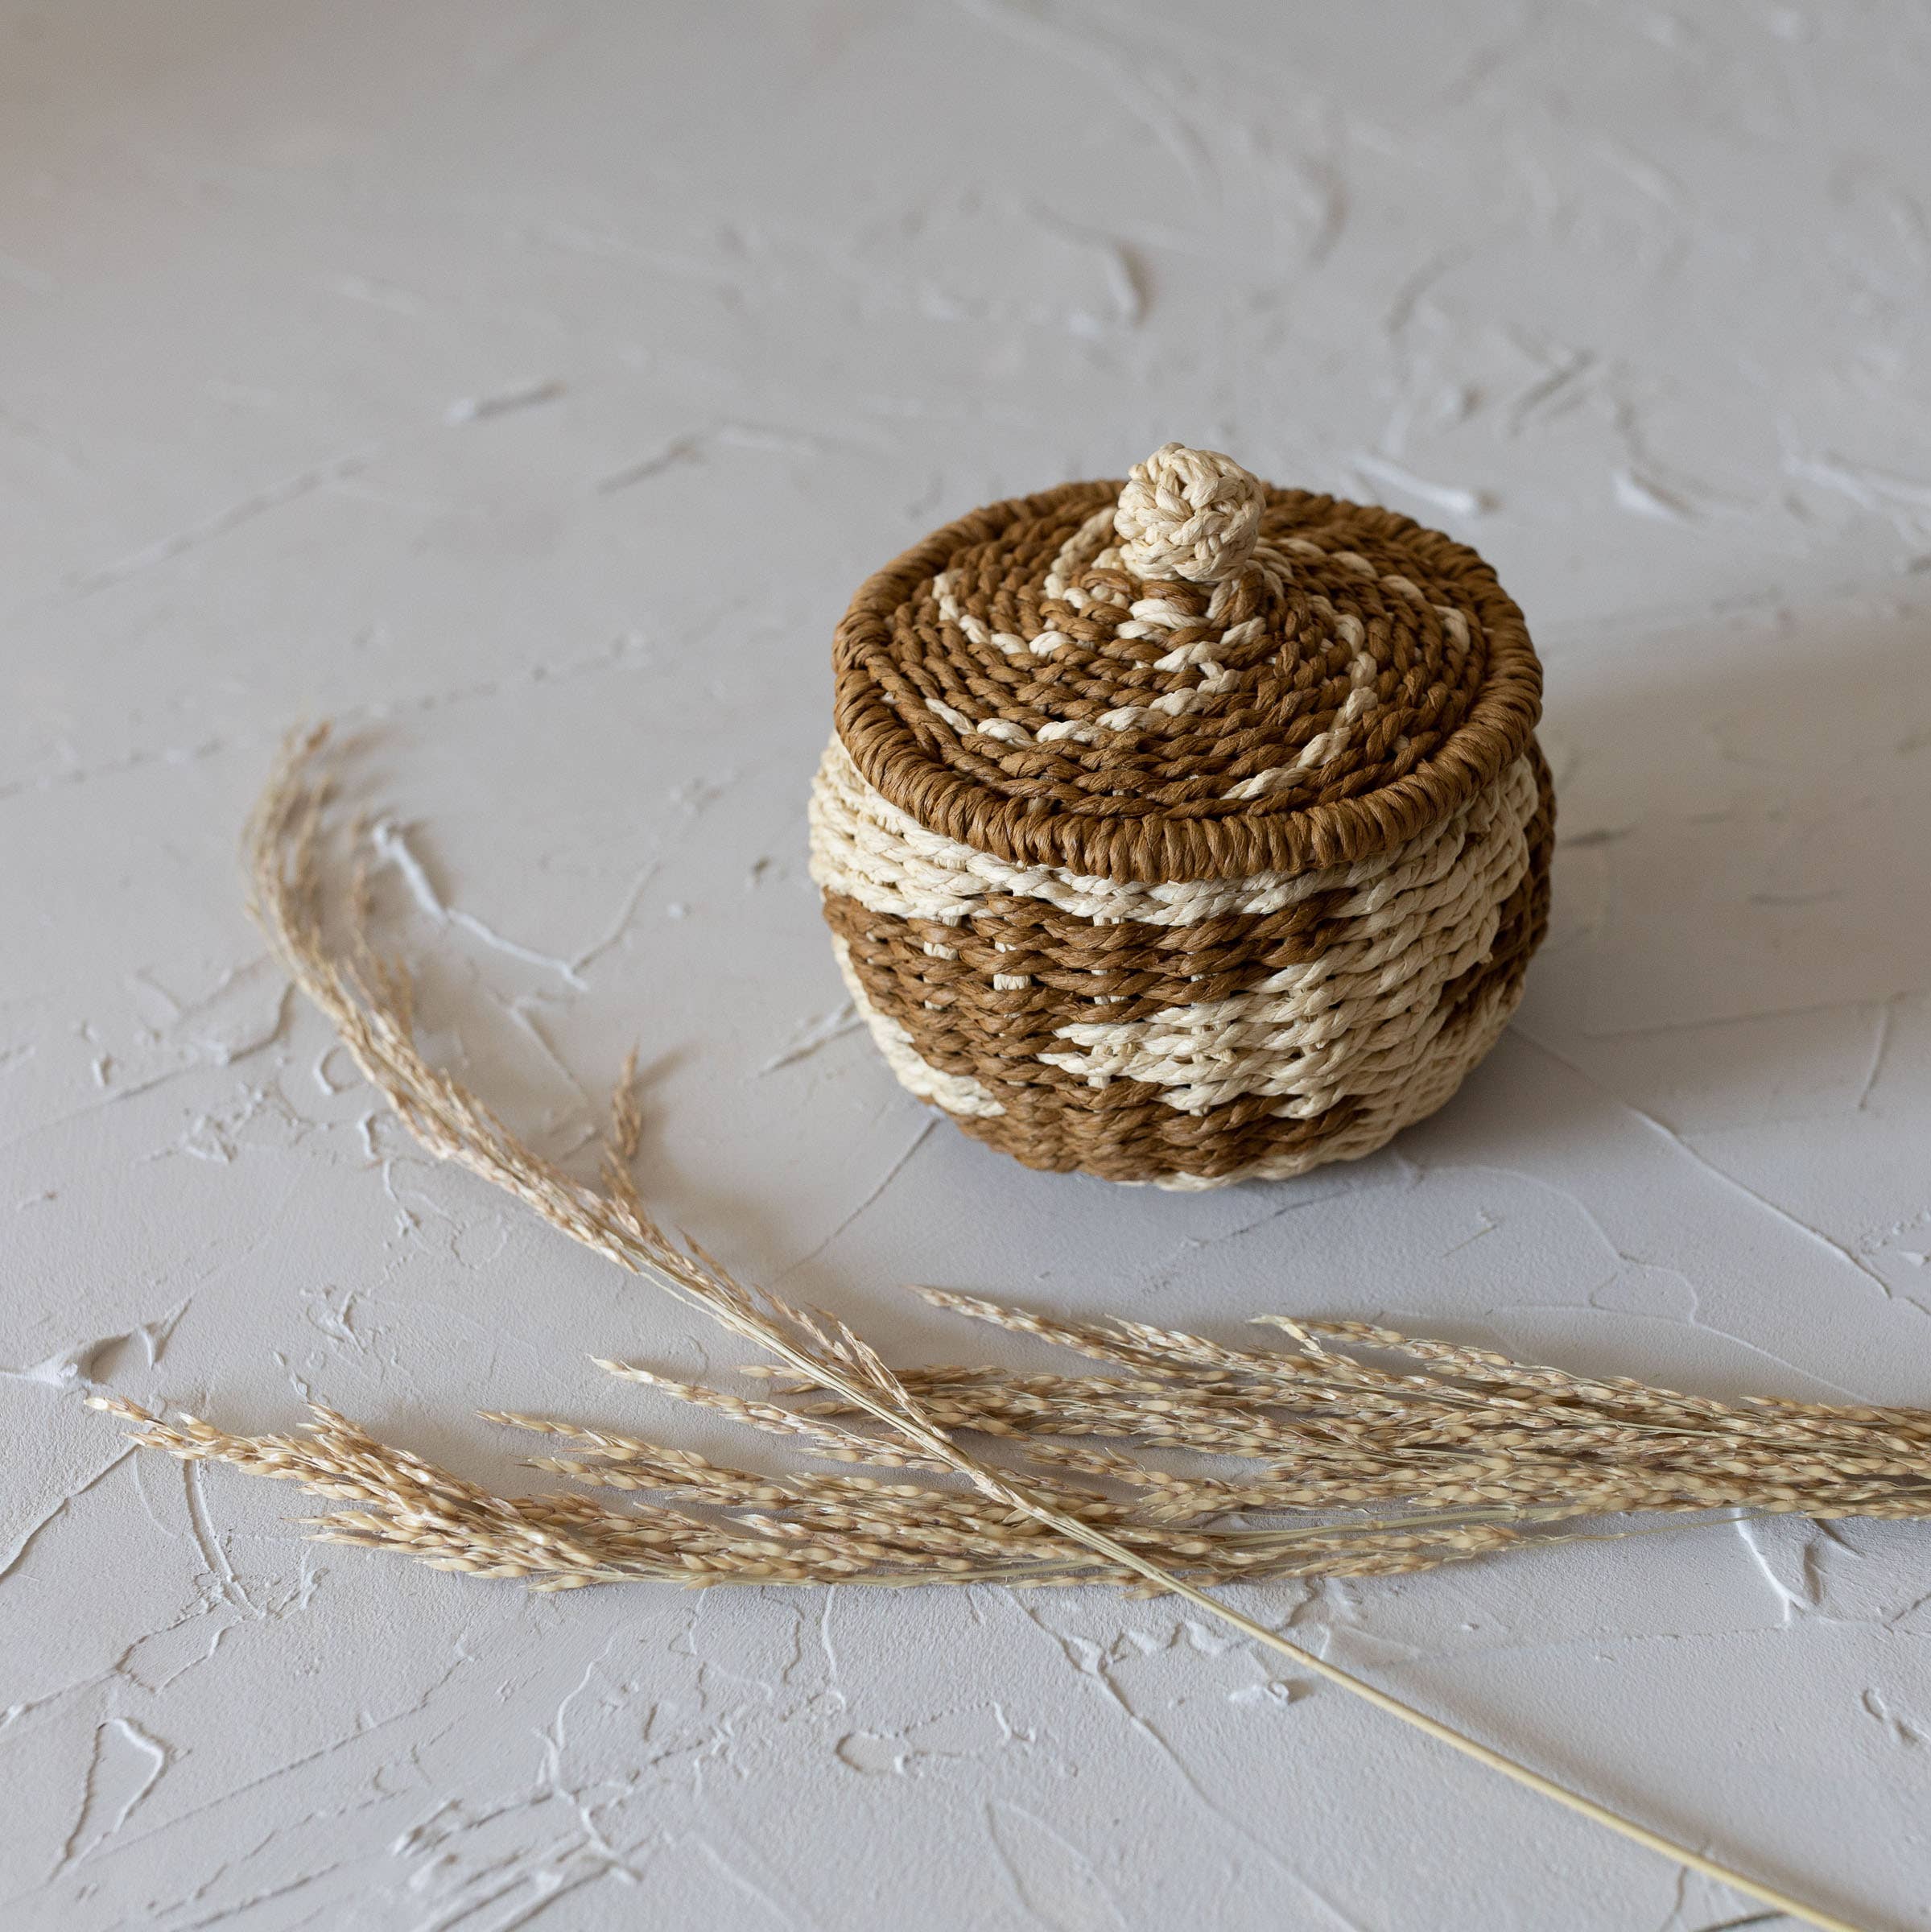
[(1186, 878)]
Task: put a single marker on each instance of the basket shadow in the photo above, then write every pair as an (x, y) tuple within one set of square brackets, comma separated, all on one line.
[(1740, 883)]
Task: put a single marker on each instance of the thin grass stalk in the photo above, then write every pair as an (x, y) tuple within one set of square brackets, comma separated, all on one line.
[(568, 1542)]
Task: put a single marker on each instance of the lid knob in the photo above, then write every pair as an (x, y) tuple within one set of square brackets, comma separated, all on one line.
[(1188, 513)]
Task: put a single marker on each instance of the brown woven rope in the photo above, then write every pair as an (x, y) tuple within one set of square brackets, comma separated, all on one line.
[(1054, 1119), (1216, 873), (1148, 806)]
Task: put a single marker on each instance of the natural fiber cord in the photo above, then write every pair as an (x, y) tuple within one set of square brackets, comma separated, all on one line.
[(1184, 831)]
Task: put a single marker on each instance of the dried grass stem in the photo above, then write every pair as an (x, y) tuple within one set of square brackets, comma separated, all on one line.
[(1460, 1453)]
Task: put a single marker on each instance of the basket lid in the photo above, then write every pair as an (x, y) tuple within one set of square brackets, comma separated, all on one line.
[(1187, 675)]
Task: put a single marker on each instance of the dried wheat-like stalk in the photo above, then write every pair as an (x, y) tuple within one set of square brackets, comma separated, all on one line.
[(1378, 1469)]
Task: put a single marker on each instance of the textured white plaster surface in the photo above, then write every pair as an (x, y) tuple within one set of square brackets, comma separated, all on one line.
[(530, 384)]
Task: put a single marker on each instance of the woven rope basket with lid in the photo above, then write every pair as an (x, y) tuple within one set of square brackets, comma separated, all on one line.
[(1185, 830)]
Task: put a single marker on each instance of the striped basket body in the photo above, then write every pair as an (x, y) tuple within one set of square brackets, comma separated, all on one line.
[(1203, 846)]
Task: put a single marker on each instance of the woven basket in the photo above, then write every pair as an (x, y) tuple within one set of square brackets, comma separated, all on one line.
[(1187, 829)]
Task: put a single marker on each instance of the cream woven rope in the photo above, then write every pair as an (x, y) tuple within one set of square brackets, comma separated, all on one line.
[(1188, 513), (1060, 722)]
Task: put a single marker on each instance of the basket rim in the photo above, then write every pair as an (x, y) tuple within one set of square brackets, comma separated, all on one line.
[(1157, 848)]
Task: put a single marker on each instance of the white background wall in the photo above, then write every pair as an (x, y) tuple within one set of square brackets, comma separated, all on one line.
[(531, 384)]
